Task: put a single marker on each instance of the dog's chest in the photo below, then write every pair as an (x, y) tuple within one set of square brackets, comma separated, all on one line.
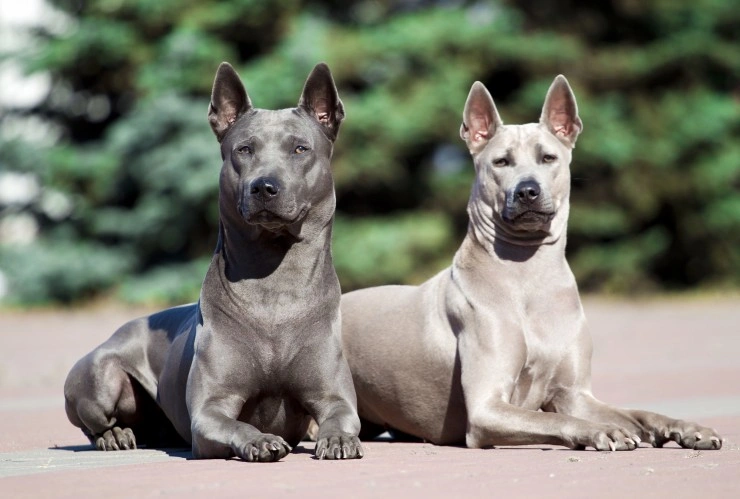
[(533, 382), (548, 334)]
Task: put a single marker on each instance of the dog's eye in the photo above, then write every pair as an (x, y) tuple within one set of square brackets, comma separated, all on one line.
[(501, 162), (244, 150), (301, 149), (549, 158)]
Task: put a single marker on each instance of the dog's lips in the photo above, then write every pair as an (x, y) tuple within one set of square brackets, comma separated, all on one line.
[(530, 218), (273, 221)]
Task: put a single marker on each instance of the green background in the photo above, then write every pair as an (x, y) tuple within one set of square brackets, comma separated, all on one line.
[(128, 167)]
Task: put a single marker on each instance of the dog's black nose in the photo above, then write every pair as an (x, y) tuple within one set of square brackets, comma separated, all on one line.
[(264, 187), (527, 191)]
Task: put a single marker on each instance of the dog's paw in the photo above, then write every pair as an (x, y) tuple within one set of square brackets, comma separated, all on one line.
[(264, 448), (607, 438), (688, 435), (342, 446), (116, 439)]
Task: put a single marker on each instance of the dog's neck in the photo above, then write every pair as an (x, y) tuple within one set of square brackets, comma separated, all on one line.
[(490, 234), (522, 269), (252, 255), (487, 268)]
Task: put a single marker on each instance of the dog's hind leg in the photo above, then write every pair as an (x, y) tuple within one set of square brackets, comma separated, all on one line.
[(109, 394), (101, 400)]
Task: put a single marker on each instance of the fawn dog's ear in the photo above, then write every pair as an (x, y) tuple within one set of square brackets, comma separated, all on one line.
[(480, 118), (560, 112)]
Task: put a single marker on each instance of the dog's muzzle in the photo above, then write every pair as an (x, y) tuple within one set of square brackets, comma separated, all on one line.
[(263, 202), (527, 206)]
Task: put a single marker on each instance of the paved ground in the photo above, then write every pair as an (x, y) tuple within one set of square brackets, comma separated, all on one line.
[(677, 356)]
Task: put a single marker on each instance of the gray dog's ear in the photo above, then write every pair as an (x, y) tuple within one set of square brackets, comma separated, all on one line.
[(480, 118), (229, 100), (560, 112), (321, 100)]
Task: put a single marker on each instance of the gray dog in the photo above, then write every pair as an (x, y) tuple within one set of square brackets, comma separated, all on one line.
[(241, 372), (494, 350)]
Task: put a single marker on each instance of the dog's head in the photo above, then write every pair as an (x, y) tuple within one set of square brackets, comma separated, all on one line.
[(522, 171), (276, 163)]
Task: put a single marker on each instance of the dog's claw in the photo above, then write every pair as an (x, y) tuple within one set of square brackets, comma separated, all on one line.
[(263, 448), (342, 446), (115, 439)]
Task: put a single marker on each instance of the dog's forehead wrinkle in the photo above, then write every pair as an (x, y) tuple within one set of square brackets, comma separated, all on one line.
[(294, 138), (268, 126), (530, 138), (281, 117)]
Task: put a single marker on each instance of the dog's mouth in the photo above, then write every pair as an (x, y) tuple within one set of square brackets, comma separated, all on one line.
[(529, 219), (273, 221)]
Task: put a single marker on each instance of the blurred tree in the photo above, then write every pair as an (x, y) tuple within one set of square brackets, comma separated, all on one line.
[(127, 167)]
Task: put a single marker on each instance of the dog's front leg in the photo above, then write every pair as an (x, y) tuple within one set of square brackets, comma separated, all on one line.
[(214, 407), (575, 398), (218, 434), (488, 375), (494, 422), (330, 398), (338, 432), (654, 428)]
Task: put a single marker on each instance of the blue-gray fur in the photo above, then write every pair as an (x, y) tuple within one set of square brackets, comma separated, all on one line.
[(243, 371)]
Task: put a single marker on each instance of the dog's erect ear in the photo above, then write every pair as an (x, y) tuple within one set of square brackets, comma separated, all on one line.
[(480, 118), (229, 100), (560, 112), (321, 100)]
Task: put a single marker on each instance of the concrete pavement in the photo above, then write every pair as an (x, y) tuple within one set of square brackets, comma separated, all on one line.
[(678, 356)]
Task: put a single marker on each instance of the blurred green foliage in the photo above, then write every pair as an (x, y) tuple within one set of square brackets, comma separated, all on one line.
[(128, 189)]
